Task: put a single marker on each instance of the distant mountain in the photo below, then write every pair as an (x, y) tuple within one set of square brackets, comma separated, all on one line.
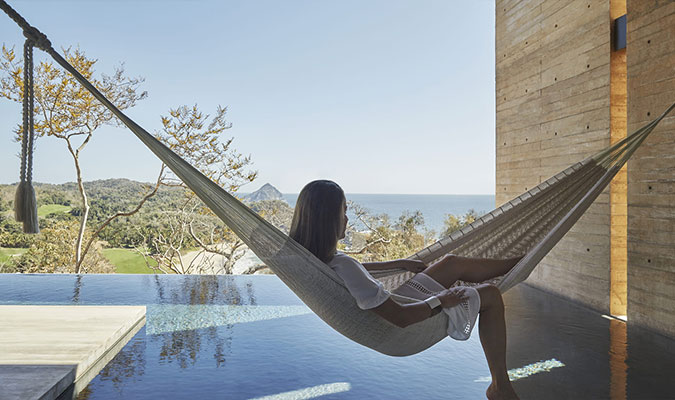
[(266, 192)]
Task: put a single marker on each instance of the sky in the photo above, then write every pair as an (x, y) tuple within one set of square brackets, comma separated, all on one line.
[(381, 96)]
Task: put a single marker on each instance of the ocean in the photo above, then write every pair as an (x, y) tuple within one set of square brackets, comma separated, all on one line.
[(434, 207)]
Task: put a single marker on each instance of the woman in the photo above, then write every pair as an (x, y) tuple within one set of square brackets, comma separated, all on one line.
[(320, 221)]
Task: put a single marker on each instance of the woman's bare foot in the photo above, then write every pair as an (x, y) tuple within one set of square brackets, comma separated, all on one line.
[(498, 393)]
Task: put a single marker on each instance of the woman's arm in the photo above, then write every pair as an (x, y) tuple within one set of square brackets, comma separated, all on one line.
[(403, 315), (410, 265)]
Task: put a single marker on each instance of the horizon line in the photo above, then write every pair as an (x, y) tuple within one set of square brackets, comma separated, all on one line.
[(285, 193)]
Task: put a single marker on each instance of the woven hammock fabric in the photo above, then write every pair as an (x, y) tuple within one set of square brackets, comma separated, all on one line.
[(532, 224)]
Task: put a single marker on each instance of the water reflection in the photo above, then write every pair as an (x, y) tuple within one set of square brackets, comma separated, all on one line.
[(76, 289), (202, 289), (196, 323), (650, 365), (126, 367), (541, 326), (141, 289), (617, 359), (184, 346), (251, 295), (164, 318)]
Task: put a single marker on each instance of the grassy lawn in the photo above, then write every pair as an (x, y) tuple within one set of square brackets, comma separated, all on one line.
[(6, 254), (47, 209), (128, 261)]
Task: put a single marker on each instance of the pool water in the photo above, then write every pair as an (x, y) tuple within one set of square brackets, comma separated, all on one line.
[(249, 337)]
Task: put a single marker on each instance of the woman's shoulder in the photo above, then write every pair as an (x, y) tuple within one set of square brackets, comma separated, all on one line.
[(341, 258)]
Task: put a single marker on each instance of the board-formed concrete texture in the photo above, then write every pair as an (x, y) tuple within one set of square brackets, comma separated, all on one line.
[(562, 94), (651, 171), (52, 351), (553, 110)]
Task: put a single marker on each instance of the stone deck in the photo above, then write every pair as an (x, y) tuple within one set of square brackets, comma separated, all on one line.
[(52, 351)]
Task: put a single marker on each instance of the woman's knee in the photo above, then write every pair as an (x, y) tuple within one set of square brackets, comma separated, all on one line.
[(490, 296), (452, 263), (444, 271)]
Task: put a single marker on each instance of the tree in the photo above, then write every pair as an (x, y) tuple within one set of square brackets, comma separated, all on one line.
[(51, 252), (67, 111), (191, 242), (276, 212), (382, 239), (455, 222), (196, 137)]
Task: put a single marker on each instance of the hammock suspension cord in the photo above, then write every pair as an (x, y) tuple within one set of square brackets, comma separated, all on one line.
[(25, 205)]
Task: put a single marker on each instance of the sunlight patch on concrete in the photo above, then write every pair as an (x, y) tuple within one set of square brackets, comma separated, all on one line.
[(310, 392), (528, 370)]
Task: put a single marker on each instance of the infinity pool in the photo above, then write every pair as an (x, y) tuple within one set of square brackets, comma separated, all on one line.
[(249, 337)]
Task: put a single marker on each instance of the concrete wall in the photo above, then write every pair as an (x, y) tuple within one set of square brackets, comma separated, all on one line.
[(560, 90), (651, 171), (553, 109)]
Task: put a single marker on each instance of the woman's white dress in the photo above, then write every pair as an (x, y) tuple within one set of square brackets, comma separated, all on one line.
[(370, 293)]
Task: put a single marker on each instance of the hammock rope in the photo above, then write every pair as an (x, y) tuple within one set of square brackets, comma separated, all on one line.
[(25, 204), (532, 223)]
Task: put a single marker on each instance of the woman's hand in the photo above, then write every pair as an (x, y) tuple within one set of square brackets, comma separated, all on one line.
[(451, 297), (415, 266)]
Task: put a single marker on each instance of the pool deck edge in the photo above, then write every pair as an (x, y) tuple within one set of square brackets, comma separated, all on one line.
[(49, 352)]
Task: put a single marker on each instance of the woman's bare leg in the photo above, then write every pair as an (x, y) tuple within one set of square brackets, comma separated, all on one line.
[(492, 330), (452, 268), (491, 325)]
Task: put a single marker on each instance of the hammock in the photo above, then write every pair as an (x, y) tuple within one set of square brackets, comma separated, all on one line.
[(530, 224)]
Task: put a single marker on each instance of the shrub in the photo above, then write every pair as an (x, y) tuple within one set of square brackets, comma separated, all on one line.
[(52, 251)]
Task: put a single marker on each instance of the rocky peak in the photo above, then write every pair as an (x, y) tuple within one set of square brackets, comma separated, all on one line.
[(266, 192)]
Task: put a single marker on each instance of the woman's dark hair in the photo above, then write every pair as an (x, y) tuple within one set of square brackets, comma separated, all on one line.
[(316, 221)]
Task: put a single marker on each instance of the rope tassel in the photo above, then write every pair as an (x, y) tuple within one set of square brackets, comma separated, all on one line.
[(25, 207), (25, 204)]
